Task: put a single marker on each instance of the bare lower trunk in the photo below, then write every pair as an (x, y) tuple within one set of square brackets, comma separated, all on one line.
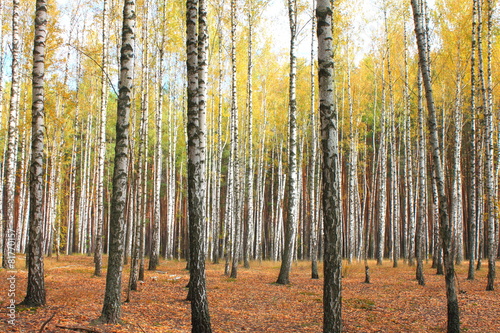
[(422, 186)]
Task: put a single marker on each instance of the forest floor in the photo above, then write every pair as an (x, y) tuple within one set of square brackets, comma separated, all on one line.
[(393, 302)]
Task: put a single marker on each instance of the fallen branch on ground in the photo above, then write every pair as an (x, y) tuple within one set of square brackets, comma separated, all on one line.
[(46, 322), (78, 329)]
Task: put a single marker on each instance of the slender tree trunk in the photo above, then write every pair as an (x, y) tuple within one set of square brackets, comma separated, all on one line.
[(171, 184), (102, 144), (71, 203), (351, 172), (145, 141), (155, 238), (393, 154), (13, 133), (313, 170), (490, 182), (219, 226), (422, 186), (332, 319), (445, 228), (23, 195), (249, 239), (456, 199), (136, 232), (382, 209), (111, 311), (35, 295), (234, 165), (292, 208), (472, 160), (410, 200)]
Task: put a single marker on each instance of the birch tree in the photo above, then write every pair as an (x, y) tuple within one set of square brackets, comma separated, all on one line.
[(233, 173), (293, 190), (111, 311), (196, 48), (422, 172), (490, 182), (313, 170), (13, 132), (155, 238), (472, 221), (382, 209), (332, 318), (35, 295), (249, 238), (102, 143), (445, 228)]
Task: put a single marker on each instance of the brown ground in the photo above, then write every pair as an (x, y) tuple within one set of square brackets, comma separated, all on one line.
[(253, 303)]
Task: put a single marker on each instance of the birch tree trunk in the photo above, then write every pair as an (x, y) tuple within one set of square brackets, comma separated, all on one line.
[(292, 208), (422, 186), (408, 167), (473, 157), (111, 311), (35, 295), (234, 165), (155, 238), (13, 133), (445, 228), (481, 194), (490, 181), (352, 172), (382, 209), (71, 203), (143, 160), (332, 306), (394, 161), (196, 47), (102, 143), (313, 170), (23, 217), (249, 239), (456, 195)]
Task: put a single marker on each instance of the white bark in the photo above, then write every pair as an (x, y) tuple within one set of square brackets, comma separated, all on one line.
[(13, 130), (293, 183), (250, 167), (332, 288), (71, 203), (382, 207), (234, 164), (35, 295), (102, 143), (155, 238), (112, 302), (445, 227), (489, 167)]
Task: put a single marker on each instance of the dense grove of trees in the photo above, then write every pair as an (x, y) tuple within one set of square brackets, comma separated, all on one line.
[(246, 131)]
